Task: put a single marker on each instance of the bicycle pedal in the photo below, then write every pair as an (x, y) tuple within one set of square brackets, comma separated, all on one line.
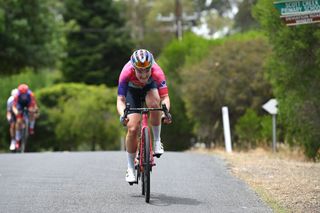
[(157, 155)]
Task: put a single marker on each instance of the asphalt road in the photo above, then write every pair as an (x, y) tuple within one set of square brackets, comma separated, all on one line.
[(95, 182)]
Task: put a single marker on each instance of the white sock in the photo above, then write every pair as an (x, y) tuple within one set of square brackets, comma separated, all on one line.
[(32, 123), (131, 157), (156, 133), (18, 135)]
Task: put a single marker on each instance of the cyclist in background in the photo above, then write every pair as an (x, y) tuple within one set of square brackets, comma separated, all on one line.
[(24, 98), (141, 78), (11, 118)]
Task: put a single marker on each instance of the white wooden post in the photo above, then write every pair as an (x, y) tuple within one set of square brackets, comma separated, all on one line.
[(226, 129)]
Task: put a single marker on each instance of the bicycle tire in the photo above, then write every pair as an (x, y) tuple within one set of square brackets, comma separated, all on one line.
[(147, 164), (142, 154), (25, 135), (142, 185)]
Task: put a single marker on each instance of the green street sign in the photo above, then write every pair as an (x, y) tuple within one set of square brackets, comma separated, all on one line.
[(301, 19), (297, 7)]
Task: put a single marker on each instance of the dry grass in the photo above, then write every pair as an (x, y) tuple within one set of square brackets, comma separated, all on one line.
[(285, 180)]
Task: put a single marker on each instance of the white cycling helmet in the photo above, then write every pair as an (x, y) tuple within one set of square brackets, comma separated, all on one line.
[(142, 59), (14, 92)]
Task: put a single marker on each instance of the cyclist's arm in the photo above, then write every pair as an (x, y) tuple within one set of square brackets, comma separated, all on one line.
[(9, 116), (33, 102), (123, 82), (14, 105), (166, 100), (121, 104)]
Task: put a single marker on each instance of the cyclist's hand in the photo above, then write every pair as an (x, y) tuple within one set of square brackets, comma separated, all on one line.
[(167, 119), (124, 121), (37, 113), (9, 117), (15, 111)]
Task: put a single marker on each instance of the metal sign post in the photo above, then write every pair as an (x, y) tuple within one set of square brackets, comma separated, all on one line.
[(274, 134), (271, 107)]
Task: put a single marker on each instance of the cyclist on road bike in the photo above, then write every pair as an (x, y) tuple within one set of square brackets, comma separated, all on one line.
[(24, 98), (141, 78), (11, 118)]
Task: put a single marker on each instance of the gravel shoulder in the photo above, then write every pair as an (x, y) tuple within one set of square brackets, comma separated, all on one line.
[(284, 180)]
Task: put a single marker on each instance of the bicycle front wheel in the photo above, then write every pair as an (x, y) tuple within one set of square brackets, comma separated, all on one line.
[(25, 135), (146, 164)]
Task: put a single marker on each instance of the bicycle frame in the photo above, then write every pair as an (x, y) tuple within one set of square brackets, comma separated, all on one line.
[(24, 131), (145, 148), (144, 125)]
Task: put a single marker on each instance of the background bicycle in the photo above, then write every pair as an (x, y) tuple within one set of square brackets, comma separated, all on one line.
[(24, 131)]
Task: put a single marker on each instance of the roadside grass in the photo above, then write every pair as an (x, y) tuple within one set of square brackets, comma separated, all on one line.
[(268, 174), (272, 203)]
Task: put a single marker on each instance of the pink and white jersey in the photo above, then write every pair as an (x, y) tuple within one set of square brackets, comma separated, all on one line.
[(128, 79)]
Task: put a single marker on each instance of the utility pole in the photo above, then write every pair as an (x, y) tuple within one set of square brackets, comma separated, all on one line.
[(179, 19), (178, 13)]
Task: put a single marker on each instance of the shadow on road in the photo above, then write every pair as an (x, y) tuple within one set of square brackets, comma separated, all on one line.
[(165, 200)]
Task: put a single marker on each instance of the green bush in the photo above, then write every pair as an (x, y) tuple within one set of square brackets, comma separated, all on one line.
[(248, 129), (266, 130), (77, 117), (253, 130)]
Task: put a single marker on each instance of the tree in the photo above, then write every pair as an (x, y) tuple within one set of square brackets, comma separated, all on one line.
[(244, 20), (30, 34), (294, 71), (230, 75), (219, 5), (146, 29), (178, 135), (98, 46)]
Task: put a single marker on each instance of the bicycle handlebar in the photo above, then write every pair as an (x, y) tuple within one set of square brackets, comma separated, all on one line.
[(145, 110)]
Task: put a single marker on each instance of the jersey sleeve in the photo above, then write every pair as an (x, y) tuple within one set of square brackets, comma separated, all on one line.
[(124, 80), (9, 103), (160, 79), (15, 100), (33, 99)]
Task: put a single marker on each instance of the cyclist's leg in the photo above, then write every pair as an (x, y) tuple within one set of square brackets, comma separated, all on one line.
[(153, 100), (133, 97), (12, 124), (19, 123), (12, 129), (32, 118), (132, 138), (133, 132)]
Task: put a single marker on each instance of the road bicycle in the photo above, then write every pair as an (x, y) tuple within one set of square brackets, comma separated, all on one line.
[(21, 146), (144, 159)]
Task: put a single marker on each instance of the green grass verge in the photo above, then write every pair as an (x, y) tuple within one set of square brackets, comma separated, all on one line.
[(276, 207)]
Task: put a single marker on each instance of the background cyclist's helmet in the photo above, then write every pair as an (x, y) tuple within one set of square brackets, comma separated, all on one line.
[(141, 59), (14, 92), (23, 88)]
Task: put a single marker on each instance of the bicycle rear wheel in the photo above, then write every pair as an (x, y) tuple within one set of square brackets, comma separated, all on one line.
[(25, 135), (146, 164)]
